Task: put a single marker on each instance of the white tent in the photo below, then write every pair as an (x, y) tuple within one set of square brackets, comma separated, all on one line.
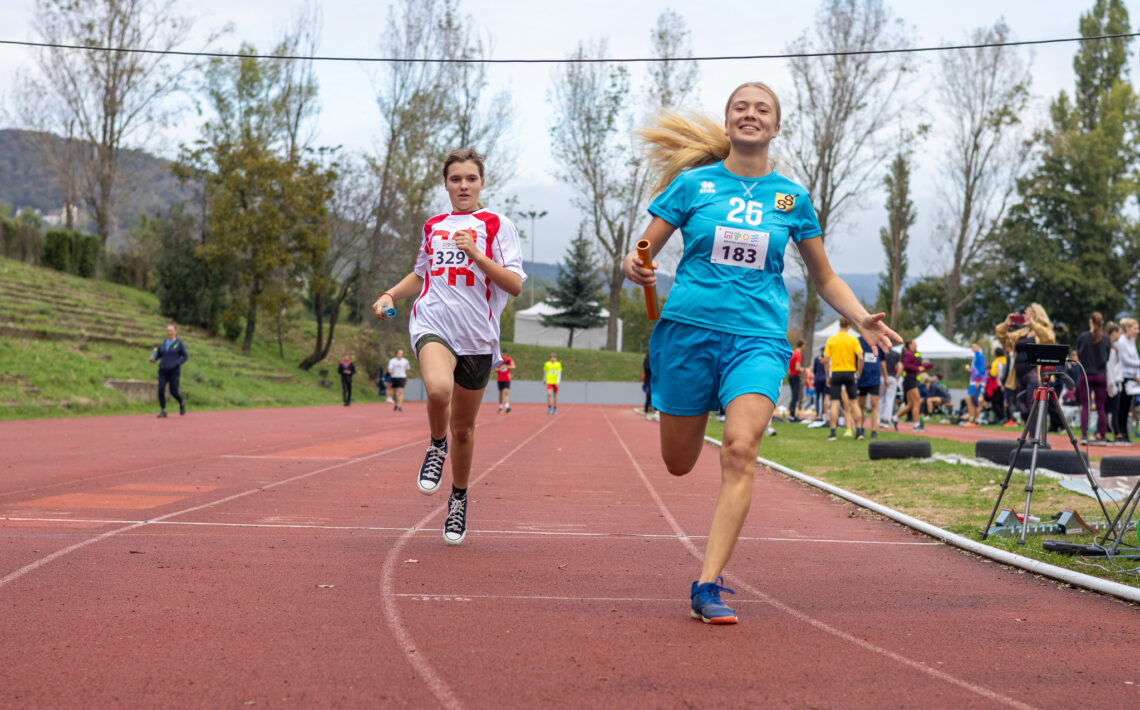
[(529, 330), (933, 345)]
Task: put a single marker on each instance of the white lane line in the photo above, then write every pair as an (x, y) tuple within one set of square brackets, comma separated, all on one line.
[(380, 528), (436, 684), (429, 596), (90, 541), (803, 616)]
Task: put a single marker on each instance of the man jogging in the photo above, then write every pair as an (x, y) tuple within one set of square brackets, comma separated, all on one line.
[(170, 354)]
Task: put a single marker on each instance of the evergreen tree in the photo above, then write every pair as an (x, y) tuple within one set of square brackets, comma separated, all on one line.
[(1071, 242), (577, 295), (896, 235)]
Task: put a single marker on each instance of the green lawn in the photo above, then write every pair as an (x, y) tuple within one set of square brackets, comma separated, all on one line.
[(62, 337), (958, 498)]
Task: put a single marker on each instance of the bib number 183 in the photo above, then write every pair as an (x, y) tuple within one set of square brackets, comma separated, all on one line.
[(740, 247)]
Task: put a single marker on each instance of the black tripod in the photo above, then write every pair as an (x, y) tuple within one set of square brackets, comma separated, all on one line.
[(1045, 357)]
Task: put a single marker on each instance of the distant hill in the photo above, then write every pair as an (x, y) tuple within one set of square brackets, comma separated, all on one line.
[(27, 180)]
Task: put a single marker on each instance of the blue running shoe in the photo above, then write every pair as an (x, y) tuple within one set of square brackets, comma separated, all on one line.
[(707, 605)]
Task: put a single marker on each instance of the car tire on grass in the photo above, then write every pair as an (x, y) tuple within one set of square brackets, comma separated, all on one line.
[(898, 450), (1059, 461), (998, 450), (1112, 466)]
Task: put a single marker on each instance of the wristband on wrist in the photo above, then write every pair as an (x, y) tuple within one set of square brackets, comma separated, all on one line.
[(386, 294)]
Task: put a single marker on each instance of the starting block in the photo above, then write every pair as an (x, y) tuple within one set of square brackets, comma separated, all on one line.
[(1067, 522)]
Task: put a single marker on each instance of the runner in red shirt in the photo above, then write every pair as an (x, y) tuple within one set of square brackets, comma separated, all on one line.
[(505, 383), (795, 380)]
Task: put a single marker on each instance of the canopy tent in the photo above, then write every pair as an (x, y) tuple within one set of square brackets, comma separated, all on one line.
[(933, 345), (529, 330)]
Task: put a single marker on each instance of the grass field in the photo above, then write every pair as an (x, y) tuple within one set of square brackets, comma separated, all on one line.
[(956, 497), (63, 337)]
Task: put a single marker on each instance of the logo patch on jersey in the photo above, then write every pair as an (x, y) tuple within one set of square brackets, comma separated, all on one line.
[(707, 188), (785, 202)]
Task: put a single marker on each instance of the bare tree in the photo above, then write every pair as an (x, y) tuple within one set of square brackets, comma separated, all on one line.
[(840, 106), (351, 213), (592, 141), (983, 92), (592, 145), (102, 99), (672, 78)]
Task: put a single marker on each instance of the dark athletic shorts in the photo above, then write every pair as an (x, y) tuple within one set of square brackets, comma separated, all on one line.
[(471, 371), (842, 381), (398, 382), (910, 382), (869, 390), (504, 385)]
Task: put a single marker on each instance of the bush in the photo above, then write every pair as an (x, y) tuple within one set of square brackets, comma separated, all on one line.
[(21, 237), (71, 252), (57, 250)]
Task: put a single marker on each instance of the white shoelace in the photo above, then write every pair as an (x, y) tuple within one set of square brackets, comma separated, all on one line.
[(455, 515)]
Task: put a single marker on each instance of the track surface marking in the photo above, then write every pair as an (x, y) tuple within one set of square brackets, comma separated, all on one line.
[(302, 567)]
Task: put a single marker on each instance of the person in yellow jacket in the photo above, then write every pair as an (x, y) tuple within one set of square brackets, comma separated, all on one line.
[(553, 371)]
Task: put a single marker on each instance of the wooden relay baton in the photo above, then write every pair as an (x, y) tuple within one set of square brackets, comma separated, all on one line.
[(650, 291)]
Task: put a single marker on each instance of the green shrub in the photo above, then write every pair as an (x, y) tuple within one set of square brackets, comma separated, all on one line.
[(85, 253), (57, 250)]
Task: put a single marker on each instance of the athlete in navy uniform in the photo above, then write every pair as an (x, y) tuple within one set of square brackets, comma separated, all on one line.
[(727, 312)]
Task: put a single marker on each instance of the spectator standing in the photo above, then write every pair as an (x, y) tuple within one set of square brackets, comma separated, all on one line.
[(889, 387), (647, 385), (1114, 381), (381, 387), (1019, 329), (977, 386), (1130, 372), (995, 391), (504, 380), (398, 377), (1092, 352), (346, 369), (870, 380), (170, 355), (844, 359), (552, 373), (795, 380), (819, 380)]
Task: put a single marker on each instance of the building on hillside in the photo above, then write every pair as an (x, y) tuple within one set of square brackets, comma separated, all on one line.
[(529, 330)]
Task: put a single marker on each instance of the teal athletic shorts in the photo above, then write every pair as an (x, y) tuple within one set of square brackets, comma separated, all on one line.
[(696, 370)]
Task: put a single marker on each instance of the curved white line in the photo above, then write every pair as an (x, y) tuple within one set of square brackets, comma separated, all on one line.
[(801, 616), (435, 683)]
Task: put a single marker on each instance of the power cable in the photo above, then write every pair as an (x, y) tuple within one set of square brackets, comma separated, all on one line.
[(580, 60)]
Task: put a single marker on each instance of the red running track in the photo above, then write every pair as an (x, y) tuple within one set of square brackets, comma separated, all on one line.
[(285, 558)]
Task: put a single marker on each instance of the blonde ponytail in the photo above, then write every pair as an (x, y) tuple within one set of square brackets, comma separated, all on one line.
[(675, 143)]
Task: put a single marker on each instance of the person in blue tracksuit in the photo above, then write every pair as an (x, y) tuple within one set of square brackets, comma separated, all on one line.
[(170, 354)]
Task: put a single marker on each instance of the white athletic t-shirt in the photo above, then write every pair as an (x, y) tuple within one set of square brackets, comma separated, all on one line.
[(398, 367), (460, 303)]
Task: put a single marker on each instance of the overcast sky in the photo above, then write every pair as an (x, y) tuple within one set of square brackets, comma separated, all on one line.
[(532, 30)]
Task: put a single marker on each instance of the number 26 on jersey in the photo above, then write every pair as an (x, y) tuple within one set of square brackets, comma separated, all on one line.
[(740, 247)]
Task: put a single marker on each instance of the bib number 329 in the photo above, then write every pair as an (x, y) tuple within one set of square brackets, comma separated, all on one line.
[(740, 247)]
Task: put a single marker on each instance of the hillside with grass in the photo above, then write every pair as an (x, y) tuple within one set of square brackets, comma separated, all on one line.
[(72, 346)]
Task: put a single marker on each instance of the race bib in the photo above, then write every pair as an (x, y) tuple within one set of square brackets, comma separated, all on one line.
[(740, 247), (870, 357), (445, 253)]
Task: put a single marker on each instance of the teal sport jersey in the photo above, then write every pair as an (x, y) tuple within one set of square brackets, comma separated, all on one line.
[(735, 229)]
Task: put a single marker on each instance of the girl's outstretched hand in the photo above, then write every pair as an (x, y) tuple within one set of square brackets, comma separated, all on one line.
[(876, 332)]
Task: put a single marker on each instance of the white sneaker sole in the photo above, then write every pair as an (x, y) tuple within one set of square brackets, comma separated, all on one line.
[(426, 491), (453, 540)]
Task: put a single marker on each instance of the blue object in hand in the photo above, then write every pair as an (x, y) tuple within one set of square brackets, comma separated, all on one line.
[(389, 312)]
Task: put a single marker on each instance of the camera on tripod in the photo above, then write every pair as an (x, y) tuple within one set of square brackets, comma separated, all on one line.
[(1051, 359)]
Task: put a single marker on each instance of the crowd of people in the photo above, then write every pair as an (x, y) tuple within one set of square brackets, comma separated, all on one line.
[(851, 377)]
